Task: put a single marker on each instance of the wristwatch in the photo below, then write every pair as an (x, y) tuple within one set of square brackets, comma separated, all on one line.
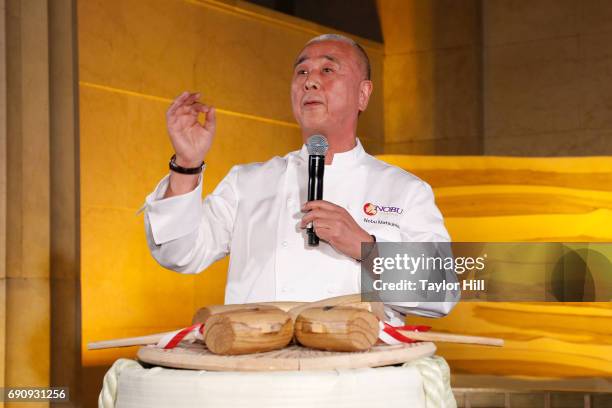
[(184, 170)]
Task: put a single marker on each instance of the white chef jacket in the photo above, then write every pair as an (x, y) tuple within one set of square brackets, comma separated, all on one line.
[(255, 212)]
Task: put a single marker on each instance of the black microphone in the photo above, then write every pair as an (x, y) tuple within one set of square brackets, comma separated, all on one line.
[(317, 148)]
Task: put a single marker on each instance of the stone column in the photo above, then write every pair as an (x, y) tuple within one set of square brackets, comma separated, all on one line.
[(40, 341), (28, 309), (65, 199)]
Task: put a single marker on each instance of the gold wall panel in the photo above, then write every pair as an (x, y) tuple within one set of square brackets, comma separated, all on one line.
[(239, 60), (134, 58), (415, 25), (121, 283), (432, 76), (497, 199)]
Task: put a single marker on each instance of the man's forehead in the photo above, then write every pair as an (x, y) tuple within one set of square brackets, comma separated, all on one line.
[(330, 50), (304, 57)]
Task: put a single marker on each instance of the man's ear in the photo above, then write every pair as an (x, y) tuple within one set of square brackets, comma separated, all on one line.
[(365, 90)]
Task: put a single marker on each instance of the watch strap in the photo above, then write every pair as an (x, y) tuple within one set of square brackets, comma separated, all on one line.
[(184, 170)]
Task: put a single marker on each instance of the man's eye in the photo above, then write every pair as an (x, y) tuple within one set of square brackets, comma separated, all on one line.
[(327, 70), (301, 72)]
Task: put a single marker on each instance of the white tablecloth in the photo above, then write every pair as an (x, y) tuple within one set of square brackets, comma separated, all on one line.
[(129, 385)]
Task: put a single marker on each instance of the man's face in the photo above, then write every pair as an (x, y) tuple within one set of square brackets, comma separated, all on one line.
[(327, 90)]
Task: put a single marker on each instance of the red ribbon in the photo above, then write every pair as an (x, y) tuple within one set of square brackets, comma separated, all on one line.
[(393, 332), (181, 335)]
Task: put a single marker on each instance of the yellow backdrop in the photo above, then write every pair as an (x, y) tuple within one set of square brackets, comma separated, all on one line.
[(502, 199), (135, 56)]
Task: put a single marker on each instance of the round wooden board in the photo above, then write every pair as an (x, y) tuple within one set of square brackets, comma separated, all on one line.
[(293, 358)]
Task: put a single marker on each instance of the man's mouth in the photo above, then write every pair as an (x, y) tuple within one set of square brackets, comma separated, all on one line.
[(313, 103)]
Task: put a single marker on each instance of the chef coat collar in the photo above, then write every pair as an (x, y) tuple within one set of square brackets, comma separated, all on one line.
[(344, 159)]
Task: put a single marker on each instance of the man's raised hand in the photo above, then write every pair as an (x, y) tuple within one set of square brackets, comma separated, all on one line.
[(190, 138)]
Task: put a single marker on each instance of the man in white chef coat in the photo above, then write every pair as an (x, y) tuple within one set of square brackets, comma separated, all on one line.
[(258, 212)]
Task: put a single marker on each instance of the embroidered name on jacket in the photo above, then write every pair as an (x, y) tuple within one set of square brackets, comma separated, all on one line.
[(372, 210)]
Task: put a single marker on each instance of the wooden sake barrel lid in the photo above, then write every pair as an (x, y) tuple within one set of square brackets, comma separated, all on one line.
[(292, 358)]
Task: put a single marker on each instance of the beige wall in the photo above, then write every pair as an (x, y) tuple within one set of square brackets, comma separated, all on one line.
[(27, 280), (432, 92), (547, 69), (498, 77)]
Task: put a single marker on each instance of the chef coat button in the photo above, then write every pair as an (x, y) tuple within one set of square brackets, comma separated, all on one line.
[(285, 289), (284, 244), (289, 202), (331, 289)]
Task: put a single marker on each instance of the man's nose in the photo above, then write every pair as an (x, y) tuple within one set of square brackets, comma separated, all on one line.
[(311, 83)]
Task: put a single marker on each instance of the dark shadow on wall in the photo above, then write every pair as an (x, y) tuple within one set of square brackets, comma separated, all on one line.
[(92, 384), (435, 57), (457, 78), (357, 17), (582, 275)]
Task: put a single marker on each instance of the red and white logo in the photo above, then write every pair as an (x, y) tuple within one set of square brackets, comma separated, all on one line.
[(373, 209), (370, 209)]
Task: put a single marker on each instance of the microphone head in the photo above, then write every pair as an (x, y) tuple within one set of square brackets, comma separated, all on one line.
[(317, 145)]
